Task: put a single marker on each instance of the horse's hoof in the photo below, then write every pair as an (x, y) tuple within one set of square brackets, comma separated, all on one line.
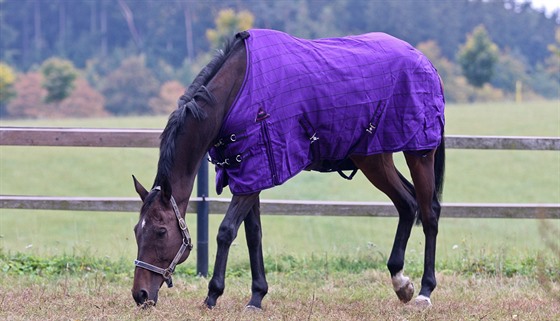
[(406, 292), (403, 287), (422, 302), (209, 303), (252, 308)]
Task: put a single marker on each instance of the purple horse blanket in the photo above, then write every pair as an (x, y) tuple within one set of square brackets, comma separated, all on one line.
[(309, 104)]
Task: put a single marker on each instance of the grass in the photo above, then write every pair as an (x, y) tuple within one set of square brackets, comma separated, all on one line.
[(489, 268), (361, 296)]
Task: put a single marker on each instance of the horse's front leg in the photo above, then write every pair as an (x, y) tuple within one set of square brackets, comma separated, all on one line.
[(237, 211), (253, 233)]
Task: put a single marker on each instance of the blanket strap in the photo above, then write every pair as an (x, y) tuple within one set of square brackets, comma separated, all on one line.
[(341, 173)]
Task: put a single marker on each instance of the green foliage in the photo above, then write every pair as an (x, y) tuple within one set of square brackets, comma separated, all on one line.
[(21, 263), (7, 92), (58, 78), (7, 79), (129, 88), (312, 266), (554, 48), (228, 22), (478, 56), (509, 69), (175, 38), (172, 30)]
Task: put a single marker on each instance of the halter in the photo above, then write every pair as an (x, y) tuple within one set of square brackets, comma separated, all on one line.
[(187, 244)]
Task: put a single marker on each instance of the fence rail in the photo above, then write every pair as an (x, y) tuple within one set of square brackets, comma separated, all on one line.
[(149, 138), (284, 207), (20, 136), (95, 137)]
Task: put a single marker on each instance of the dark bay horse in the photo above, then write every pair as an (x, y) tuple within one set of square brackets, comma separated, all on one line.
[(270, 105)]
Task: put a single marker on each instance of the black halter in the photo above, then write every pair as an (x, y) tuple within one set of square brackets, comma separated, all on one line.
[(187, 244)]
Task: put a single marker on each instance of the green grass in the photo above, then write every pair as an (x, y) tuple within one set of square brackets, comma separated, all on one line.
[(78, 265), (472, 176)]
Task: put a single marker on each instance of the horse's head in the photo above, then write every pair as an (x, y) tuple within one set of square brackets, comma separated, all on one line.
[(163, 242)]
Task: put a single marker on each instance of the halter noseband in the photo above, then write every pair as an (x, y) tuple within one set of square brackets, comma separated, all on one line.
[(187, 244)]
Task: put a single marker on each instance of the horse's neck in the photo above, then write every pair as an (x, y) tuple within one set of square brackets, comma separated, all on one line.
[(200, 135)]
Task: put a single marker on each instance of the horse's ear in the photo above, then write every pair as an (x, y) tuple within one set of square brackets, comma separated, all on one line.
[(140, 189)]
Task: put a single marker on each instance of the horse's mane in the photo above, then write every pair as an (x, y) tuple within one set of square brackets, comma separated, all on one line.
[(188, 105)]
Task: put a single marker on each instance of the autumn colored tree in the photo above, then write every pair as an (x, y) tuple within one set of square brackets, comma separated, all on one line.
[(29, 102), (84, 101), (7, 92), (58, 78), (166, 102), (478, 57)]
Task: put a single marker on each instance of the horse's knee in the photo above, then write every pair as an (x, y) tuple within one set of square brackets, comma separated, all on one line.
[(226, 234)]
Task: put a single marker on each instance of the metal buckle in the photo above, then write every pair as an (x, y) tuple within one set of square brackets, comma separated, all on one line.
[(167, 274), (182, 224)]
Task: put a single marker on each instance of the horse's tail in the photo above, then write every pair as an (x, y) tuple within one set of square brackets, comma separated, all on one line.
[(439, 167)]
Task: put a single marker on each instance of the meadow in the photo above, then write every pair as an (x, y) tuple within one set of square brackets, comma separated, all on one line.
[(479, 260)]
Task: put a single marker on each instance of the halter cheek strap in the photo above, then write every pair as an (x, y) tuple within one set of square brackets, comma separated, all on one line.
[(187, 244)]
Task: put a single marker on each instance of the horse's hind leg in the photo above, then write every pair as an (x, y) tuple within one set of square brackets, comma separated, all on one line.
[(253, 234), (422, 172), (381, 172)]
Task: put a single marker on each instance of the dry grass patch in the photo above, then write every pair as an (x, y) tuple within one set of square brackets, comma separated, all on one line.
[(363, 296)]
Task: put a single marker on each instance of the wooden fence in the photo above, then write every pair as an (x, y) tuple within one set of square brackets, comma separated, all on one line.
[(20, 136)]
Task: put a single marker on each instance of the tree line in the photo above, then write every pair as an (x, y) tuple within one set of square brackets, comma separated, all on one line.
[(130, 57)]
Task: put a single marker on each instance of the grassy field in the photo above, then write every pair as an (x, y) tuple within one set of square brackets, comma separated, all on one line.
[(488, 267), (336, 297)]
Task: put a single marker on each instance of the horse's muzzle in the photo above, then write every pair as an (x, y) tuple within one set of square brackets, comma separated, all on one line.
[(143, 300)]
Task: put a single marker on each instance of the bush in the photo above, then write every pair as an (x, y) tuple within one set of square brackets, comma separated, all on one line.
[(130, 87), (166, 102), (84, 101), (58, 79)]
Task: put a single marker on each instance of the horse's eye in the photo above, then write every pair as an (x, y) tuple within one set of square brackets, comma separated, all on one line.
[(161, 231)]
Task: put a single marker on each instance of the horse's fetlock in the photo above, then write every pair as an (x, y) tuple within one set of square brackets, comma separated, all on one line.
[(395, 267), (261, 289), (216, 288)]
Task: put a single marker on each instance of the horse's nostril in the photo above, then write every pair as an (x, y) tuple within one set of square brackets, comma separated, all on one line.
[(140, 297)]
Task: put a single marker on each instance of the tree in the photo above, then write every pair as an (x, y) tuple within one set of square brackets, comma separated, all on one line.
[(129, 88), (478, 57), (29, 102), (84, 101), (227, 24), (166, 102), (7, 92), (58, 79)]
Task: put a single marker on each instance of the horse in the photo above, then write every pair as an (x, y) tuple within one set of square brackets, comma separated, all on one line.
[(270, 105)]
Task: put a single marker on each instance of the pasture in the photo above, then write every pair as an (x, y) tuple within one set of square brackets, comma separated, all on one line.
[(488, 268)]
